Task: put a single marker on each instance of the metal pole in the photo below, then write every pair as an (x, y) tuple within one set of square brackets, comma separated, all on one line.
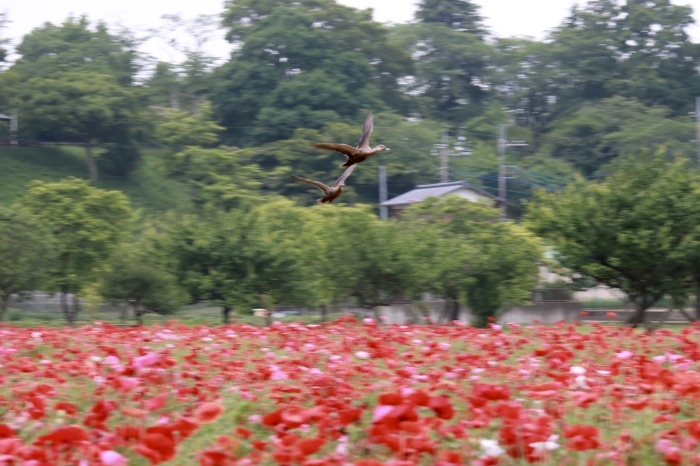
[(444, 159), (383, 210), (13, 128), (502, 188)]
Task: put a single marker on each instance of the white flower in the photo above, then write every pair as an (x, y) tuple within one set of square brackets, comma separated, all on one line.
[(362, 355), (577, 370), (550, 444), (491, 448), (581, 381)]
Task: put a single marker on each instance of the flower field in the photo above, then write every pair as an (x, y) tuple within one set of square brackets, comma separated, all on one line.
[(349, 393)]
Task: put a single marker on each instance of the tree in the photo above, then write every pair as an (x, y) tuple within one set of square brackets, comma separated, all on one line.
[(600, 131), (460, 15), (450, 82), (302, 65), (180, 129), (86, 224), (465, 252), (356, 255), (76, 46), (186, 83), (84, 107), (637, 49), (636, 231), (133, 277), (3, 40), (223, 176), (26, 253), (227, 259)]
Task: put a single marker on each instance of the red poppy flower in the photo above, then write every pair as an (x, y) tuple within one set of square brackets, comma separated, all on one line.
[(208, 412)]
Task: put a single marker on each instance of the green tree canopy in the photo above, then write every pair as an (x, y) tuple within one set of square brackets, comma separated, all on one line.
[(464, 252), (135, 276), (75, 45), (225, 177), (3, 40), (460, 15), (26, 254), (637, 49), (451, 77), (636, 231), (226, 258), (180, 129), (86, 224), (600, 131), (81, 106), (302, 65)]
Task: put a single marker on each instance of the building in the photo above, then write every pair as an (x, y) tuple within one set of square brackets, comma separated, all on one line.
[(462, 189)]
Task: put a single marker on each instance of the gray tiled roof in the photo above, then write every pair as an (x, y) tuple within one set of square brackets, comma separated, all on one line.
[(422, 192)]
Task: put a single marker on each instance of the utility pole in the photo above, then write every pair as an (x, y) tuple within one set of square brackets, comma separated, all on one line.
[(383, 210), (444, 159), (697, 128), (502, 167), (14, 126), (502, 186), (444, 151)]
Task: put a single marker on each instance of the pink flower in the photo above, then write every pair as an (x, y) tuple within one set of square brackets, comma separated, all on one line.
[(381, 411), (128, 383), (624, 354), (146, 360), (112, 458)]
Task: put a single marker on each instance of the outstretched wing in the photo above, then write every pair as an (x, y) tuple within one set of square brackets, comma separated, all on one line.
[(344, 149), (318, 184), (345, 175), (363, 142)]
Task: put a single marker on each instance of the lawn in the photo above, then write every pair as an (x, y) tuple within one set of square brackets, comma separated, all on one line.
[(147, 185), (348, 393)]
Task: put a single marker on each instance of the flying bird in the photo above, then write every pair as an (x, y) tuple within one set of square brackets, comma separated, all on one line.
[(330, 192), (361, 151)]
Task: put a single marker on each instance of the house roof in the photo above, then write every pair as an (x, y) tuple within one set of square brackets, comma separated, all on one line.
[(5, 117), (424, 191)]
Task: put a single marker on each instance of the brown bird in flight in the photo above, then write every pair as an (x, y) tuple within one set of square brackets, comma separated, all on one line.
[(331, 192), (361, 151)]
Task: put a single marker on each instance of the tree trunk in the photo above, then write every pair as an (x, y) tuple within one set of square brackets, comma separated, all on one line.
[(651, 327), (638, 316), (324, 313), (375, 312), (75, 311), (3, 307), (123, 313), (454, 309), (138, 314), (697, 300), (91, 163), (68, 313), (226, 314)]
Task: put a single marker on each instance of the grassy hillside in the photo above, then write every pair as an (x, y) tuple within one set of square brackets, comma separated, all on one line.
[(147, 186)]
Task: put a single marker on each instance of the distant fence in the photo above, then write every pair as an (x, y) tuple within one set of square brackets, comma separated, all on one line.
[(544, 312), (50, 303)]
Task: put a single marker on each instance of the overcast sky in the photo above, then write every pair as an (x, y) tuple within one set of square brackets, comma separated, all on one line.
[(503, 17)]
